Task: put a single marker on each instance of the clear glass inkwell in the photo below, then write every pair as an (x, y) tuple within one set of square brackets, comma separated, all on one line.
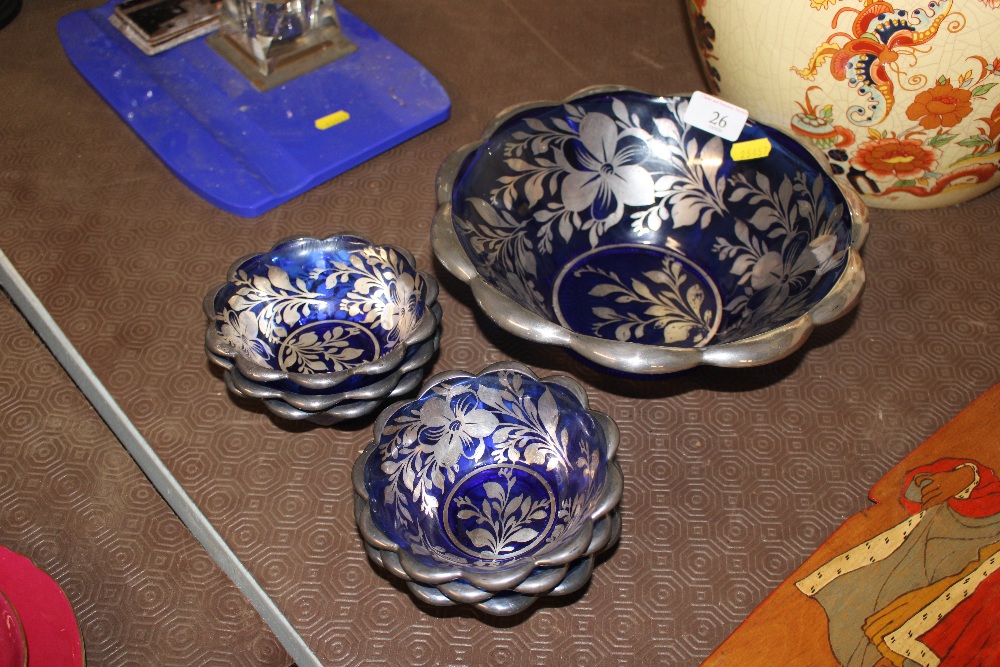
[(274, 41)]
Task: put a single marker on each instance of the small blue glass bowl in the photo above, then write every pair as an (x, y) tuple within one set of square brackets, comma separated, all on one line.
[(313, 316), (491, 489), (608, 225)]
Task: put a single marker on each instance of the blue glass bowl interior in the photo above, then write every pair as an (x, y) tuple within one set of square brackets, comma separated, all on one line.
[(311, 306), (355, 381), (482, 472), (611, 216)]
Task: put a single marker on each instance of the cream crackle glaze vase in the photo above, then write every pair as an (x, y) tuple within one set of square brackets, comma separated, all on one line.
[(902, 96)]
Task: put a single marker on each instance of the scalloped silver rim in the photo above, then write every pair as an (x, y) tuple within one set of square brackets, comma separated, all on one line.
[(573, 577), (319, 402), (522, 581), (255, 372), (354, 409), (637, 358), (403, 381)]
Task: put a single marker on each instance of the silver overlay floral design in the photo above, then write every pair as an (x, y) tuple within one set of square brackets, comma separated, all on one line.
[(506, 523), (667, 174), (320, 346), (275, 319), (491, 489), (796, 246), (675, 303), (616, 176), (323, 330), (382, 291), (503, 433)]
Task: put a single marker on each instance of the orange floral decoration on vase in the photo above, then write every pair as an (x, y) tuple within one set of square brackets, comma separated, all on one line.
[(941, 106), (901, 96), (892, 157)]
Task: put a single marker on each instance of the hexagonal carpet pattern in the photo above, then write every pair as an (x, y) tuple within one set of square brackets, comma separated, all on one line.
[(732, 476)]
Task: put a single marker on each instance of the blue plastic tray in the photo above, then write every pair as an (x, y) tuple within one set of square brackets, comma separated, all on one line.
[(244, 150)]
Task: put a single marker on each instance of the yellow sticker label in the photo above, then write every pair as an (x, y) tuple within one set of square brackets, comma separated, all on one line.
[(750, 150), (335, 118)]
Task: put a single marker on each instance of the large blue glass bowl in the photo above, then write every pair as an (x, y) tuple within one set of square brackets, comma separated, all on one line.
[(320, 316), (608, 225), (490, 490)]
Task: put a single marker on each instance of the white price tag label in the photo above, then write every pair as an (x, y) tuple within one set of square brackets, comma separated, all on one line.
[(716, 116)]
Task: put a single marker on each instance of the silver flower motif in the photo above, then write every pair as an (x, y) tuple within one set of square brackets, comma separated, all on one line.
[(455, 424), (608, 180), (399, 316), (240, 330)]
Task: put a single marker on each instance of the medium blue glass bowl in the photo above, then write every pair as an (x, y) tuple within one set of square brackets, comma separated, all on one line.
[(490, 490), (313, 316), (608, 225)]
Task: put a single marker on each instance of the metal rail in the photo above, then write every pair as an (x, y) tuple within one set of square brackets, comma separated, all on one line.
[(151, 464)]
